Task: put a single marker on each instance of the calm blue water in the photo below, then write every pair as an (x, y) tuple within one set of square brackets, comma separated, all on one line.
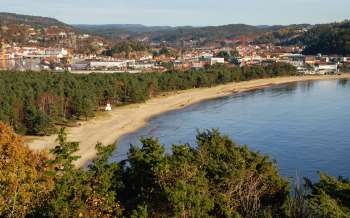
[(304, 126)]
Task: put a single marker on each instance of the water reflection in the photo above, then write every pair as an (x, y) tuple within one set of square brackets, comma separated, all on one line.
[(304, 126), (343, 82), (306, 85)]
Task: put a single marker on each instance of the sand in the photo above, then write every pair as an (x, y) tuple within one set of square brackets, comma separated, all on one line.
[(110, 126)]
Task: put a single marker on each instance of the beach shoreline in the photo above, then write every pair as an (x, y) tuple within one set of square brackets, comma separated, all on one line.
[(109, 127)]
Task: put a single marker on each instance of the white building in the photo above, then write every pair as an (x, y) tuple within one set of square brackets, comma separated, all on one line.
[(217, 61), (326, 69), (108, 64), (108, 107), (139, 66)]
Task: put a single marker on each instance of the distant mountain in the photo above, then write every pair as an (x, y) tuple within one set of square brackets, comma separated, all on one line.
[(115, 31), (173, 34), (133, 28), (35, 21), (209, 33)]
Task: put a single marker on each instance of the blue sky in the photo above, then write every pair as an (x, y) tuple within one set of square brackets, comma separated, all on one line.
[(183, 12)]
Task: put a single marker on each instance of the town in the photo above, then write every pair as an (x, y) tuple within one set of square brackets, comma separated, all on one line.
[(59, 47), (63, 59)]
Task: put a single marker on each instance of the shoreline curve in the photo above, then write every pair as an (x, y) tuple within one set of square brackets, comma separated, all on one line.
[(123, 120)]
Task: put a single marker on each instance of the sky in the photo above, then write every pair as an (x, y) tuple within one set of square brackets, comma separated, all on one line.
[(184, 12)]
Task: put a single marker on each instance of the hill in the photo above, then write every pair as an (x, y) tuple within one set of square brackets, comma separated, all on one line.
[(328, 39), (35, 21), (283, 34), (25, 30), (118, 30), (174, 34), (331, 38), (210, 33)]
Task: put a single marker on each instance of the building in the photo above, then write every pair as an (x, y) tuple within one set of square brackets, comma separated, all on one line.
[(297, 60), (141, 66), (214, 60), (108, 64), (108, 107), (311, 60), (327, 69)]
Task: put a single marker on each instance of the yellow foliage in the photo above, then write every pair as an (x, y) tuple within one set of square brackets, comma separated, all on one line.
[(23, 180)]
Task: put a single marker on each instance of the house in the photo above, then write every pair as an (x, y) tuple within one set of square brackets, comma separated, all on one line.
[(198, 64), (84, 36), (311, 60), (62, 34)]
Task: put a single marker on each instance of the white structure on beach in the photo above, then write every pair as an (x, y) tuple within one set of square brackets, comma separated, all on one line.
[(108, 107)]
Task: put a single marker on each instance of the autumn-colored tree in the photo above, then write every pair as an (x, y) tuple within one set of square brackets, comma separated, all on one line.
[(24, 183)]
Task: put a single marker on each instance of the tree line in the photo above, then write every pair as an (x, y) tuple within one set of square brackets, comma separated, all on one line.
[(214, 178), (34, 103)]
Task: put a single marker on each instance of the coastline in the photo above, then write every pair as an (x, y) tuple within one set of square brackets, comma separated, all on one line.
[(110, 126)]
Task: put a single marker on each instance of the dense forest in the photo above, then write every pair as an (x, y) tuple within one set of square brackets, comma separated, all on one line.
[(214, 178), (209, 33), (176, 34), (115, 31), (35, 102), (329, 39)]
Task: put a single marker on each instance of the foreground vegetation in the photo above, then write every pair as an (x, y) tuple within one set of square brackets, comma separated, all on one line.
[(216, 178), (33, 103)]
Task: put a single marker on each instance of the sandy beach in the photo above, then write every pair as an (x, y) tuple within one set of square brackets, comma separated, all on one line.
[(107, 128)]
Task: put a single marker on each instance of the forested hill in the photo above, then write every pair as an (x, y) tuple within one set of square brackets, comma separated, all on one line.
[(137, 31), (209, 32), (25, 30), (331, 38), (283, 35), (173, 34), (327, 39), (35, 21), (113, 31)]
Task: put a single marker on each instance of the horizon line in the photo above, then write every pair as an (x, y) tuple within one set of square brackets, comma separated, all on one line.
[(175, 26)]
